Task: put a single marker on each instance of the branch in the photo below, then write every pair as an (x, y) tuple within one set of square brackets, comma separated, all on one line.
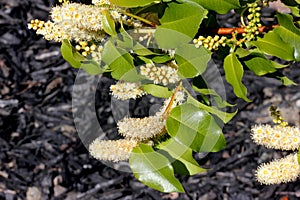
[(239, 30)]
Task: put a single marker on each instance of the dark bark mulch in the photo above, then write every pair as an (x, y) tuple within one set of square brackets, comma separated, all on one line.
[(42, 156)]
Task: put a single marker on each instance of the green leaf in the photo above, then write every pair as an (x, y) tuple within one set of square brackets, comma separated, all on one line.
[(286, 81), (157, 90), (233, 73), (192, 61), (272, 44), (161, 59), (224, 116), (153, 169), (180, 156), (195, 128), (91, 67), (184, 17), (217, 98), (124, 39), (108, 23), (119, 61), (289, 33), (170, 39), (132, 3), (70, 54), (221, 7), (259, 64), (141, 50), (298, 156)]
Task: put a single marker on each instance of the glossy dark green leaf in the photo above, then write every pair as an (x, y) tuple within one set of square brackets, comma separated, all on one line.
[(192, 61), (108, 23), (195, 128), (91, 67), (260, 65), (70, 54), (217, 98), (272, 44), (119, 61), (221, 7), (224, 116), (161, 58), (132, 3), (180, 156), (289, 33), (233, 73), (184, 17), (157, 90), (298, 156), (153, 169)]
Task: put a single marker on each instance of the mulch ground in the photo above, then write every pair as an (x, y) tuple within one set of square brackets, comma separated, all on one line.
[(42, 156)]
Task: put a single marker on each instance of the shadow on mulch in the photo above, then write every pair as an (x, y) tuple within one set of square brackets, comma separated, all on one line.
[(42, 156)]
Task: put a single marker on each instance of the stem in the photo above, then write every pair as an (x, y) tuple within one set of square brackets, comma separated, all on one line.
[(168, 108), (242, 17), (139, 18), (239, 30)]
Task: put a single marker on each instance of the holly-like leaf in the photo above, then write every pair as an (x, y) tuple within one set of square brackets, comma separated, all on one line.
[(153, 169), (289, 33), (221, 7), (195, 128), (259, 64), (224, 116), (157, 90), (184, 18), (119, 61), (191, 61), (233, 73), (132, 3), (70, 54), (180, 156), (91, 67), (272, 44), (217, 98), (108, 23)]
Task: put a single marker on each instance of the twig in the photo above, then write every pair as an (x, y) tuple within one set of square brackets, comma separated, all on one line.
[(240, 30), (139, 18), (166, 112)]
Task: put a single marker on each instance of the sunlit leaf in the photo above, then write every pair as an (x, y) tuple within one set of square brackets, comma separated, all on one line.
[(132, 3), (157, 90), (234, 72), (224, 116), (70, 54), (289, 33), (119, 61), (153, 169), (272, 44), (108, 23), (191, 61), (195, 128), (180, 156), (221, 7)]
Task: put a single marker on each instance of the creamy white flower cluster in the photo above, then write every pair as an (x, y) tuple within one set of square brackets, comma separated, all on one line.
[(141, 128), (210, 43), (278, 137), (101, 2), (112, 150), (74, 21), (279, 171), (135, 131), (160, 75), (127, 90)]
